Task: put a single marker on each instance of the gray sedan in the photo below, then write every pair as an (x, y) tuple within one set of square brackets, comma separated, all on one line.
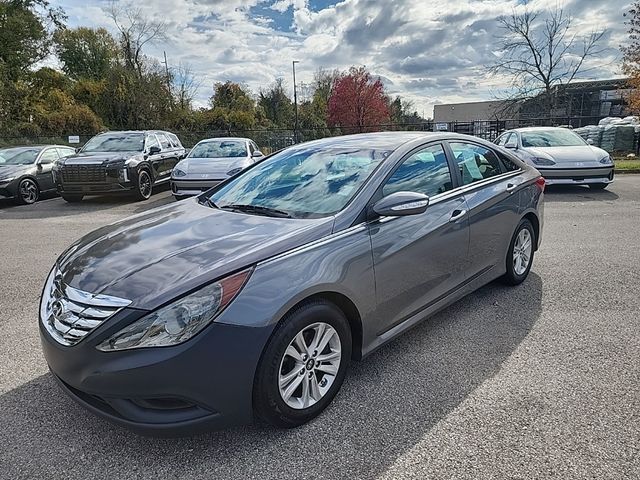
[(26, 172), (561, 155), (252, 299), (211, 162)]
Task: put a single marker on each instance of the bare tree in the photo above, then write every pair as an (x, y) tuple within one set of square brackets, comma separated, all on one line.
[(542, 54), (136, 31), (184, 85)]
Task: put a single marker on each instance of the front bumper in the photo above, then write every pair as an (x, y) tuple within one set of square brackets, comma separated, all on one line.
[(577, 176), (204, 384), (9, 189), (188, 187)]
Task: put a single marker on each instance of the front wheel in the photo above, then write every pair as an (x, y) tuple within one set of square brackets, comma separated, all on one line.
[(28, 192), (303, 366), (520, 254), (144, 187)]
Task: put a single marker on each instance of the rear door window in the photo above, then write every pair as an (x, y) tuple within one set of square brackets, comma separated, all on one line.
[(476, 163), (164, 141)]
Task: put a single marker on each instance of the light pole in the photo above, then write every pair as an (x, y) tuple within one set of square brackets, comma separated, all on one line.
[(295, 102)]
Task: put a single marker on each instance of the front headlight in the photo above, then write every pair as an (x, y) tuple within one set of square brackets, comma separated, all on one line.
[(234, 172), (178, 173), (179, 321), (606, 160), (543, 161)]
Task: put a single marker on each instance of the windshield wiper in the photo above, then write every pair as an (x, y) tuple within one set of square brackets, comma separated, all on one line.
[(258, 210), (207, 201)]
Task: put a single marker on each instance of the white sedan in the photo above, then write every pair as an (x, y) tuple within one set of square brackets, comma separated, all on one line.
[(211, 162), (560, 155)]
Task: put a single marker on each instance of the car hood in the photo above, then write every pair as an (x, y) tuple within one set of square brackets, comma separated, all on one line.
[(93, 158), (198, 166), (9, 171), (156, 256), (568, 155)]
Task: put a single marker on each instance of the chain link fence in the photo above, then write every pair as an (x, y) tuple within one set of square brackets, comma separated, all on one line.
[(270, 140)]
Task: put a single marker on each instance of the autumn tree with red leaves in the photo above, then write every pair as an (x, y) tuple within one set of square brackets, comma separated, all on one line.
[(631, 59), (357, 102)]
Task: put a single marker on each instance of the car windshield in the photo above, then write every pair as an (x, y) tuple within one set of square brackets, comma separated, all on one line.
[(219, 149), (115, 142), (18, 156), (307, 182), (551, 138)]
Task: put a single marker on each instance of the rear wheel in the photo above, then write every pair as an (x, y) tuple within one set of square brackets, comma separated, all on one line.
[(28, 192), (72, 198), (520, 254), (598, 186), (144, 186), (303, 366)]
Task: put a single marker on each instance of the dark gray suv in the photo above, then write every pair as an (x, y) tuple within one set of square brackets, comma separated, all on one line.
[(253, 297), (119, 162)]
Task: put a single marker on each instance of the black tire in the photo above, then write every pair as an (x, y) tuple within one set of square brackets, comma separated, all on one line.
[(512, 277), (144, 185), (267, 401), (72, 198), (598, 186), (28, 192)]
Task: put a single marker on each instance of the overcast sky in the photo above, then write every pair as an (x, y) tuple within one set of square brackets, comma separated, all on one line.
[(424, 50)]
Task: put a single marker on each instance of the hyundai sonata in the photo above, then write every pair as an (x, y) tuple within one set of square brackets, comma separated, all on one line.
[(252, 298)]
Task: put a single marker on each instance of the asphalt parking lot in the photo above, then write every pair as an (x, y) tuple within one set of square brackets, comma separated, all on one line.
[(537, 381)]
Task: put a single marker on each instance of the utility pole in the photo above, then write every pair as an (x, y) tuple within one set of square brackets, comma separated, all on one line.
[(295, 102), (166, 69)]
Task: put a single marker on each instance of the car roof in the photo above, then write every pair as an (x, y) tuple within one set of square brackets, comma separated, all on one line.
[(39, 147), (224, 139), (533, 129)]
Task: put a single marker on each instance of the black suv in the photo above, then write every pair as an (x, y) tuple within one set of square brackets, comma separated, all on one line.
[(119, 162)]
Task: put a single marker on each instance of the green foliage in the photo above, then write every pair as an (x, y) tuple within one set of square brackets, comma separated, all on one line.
[(86, 52), (276, 105)]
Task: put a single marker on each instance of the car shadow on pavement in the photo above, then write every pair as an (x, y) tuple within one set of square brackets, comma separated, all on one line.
[(388, 403), (577, 193)]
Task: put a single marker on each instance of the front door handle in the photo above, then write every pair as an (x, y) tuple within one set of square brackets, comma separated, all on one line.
[(457, 215), (511, 187)]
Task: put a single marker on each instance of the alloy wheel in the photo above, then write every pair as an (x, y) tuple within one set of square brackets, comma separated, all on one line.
[(144, 184), (522, 249), (28, 191), (309, 365)]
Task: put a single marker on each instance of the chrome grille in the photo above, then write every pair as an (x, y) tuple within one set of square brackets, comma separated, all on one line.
[(83, 173), (70, 314)]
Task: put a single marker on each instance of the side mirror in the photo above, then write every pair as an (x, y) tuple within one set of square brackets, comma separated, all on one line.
[(257, 154), (154, 150), (511, 145), (589, 141), (400, 204)]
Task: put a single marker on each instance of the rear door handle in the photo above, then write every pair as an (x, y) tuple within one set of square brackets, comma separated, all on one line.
[(511, 187), (457, 215)]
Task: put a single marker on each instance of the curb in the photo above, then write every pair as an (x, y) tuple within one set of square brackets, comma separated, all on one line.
[(624, 172)]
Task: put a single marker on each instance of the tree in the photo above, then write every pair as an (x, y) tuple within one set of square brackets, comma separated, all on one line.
[(357, 101), (538, 55), (276, 104), (136, 31), (631, 57), (86, 52), (185, 86)]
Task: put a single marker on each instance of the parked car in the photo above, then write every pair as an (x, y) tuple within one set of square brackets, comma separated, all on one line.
[(119, 162), (254, 296), (25, 172), (211, 162), (561, 156)]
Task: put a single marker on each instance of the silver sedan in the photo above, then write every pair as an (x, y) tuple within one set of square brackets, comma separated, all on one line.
[(560, 155), (211, 162)]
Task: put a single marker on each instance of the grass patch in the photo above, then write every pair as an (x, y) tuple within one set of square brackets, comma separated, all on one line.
[(626, 164)]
